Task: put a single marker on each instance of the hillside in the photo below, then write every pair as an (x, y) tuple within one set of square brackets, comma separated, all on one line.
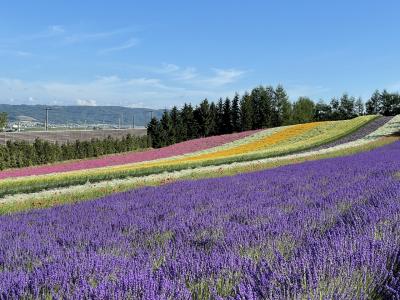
[(258, 150), (295, 221), (80, 114)]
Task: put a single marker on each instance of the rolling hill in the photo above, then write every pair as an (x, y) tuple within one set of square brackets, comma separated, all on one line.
[(80, 114)]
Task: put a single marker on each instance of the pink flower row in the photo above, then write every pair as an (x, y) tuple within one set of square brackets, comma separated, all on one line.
[(126, 158)]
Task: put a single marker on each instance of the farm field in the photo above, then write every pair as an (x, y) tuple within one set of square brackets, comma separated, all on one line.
[(285, 218), (267, 143), (173, 150), (326, 229), (64, 136), (54, 196)]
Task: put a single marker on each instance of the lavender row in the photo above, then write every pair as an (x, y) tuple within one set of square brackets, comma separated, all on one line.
[(358, 134), (328, 229)]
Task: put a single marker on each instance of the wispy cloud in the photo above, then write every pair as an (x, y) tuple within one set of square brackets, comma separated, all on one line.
[(126, 45), (82, 37)]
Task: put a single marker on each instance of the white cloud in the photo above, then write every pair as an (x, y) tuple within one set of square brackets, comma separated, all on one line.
[(88, 102)]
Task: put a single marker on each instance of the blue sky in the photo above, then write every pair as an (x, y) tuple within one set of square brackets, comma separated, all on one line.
[(162, 53)]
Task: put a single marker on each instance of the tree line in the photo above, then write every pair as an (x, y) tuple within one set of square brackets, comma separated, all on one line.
[(263, 107), (17, 154)]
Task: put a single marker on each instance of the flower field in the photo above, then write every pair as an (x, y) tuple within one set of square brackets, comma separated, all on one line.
[(111, 160), (327, 229), (270, 143), (48, 198)]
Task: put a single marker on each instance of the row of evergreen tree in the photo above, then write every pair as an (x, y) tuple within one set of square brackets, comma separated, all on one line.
[(19, 154), (263, 107)]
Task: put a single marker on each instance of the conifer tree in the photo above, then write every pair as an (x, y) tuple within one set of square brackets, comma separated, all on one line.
[(220, 117), (235, 114), (227, 116), (203, 117), (246, 112), (373, 105), (283, 106), (168, 130)]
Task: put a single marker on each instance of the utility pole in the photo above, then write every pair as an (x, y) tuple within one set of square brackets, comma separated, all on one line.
[(133, 121), (47, 118)]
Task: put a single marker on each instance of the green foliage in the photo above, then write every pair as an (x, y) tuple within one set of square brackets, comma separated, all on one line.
[(385, 103), (283, 107), (203, 118), (227, 117), (235, 114), (303, 110), (20, 154), (264, 107), (246, 112), (3, 120)]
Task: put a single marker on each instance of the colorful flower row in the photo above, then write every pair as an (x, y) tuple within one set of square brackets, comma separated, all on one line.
[(278, 143), (80, 192), (119, 159)]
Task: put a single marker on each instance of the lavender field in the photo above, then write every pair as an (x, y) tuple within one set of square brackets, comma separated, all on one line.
[(328, 229)]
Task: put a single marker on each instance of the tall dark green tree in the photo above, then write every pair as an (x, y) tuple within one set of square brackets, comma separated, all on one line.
[(246, 112), (359, 107), (235, 114), (257, 107), (373, 105), (227, 116), (283, 107), (189, 122), (268, 106), (177, 126), (213, 119), (168, 129), (203, 117), (220, 117), (155, 132), (347, 107)]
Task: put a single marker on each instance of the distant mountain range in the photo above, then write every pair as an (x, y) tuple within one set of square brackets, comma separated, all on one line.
[(80, 114)]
